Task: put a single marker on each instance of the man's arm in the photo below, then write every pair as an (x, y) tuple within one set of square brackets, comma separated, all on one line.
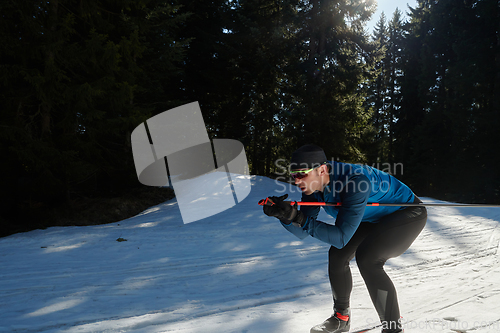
[(354, 197)]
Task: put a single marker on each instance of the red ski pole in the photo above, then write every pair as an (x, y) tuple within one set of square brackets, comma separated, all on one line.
[(269, 202)]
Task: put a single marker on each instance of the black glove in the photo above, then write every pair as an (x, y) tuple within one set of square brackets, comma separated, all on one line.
[(285, 212), (277, 207)]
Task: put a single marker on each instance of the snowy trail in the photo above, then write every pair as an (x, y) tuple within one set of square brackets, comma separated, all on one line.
[(238, 271)]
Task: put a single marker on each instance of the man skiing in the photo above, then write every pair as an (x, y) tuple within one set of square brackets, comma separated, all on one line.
[(372, 234)]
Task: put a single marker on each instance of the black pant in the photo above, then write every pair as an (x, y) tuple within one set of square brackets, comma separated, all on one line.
[(373, 244)]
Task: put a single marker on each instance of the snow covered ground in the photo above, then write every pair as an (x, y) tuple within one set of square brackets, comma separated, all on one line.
[(238, 271)]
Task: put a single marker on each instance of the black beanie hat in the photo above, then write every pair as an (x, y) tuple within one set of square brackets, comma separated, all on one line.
[(307, 157)]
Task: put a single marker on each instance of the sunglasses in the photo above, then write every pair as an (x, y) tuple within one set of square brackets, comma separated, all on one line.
[(300, 174)]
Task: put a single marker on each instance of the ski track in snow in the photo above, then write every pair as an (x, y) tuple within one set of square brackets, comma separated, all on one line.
[(239, 271)]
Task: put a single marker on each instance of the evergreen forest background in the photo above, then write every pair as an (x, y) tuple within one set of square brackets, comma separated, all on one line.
[(76, 77)]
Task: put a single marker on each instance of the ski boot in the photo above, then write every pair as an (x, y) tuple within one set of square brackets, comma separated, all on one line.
[(339, 322)]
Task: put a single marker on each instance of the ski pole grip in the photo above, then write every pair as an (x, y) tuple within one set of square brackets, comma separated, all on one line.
[(269, 202), (266, 202)]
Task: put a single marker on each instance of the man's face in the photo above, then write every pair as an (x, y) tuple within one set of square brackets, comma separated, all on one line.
[(311, 181)]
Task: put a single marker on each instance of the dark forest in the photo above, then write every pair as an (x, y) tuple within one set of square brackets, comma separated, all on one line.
[(419, 95)]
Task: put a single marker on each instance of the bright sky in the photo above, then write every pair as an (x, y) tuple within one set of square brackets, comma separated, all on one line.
[(388, 7)]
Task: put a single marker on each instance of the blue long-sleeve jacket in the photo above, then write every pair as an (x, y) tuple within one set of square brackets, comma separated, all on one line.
[(353, 185)]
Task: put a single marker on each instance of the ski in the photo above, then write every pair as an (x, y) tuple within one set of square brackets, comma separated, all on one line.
[(356, 330), (366, 329), (269, 202)]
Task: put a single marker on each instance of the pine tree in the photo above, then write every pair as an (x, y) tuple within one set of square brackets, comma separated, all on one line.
[(384, 95), (377, 97), (71, 76), (338, 58), (449, 79), (395, 73)]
